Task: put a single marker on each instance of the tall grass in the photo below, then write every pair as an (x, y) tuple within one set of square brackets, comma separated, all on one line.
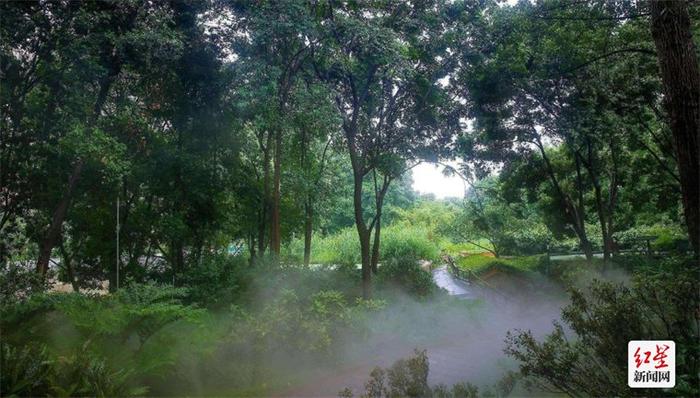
[(343, 248)]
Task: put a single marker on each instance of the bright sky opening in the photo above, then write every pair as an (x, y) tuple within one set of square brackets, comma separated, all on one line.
[(428, 178)]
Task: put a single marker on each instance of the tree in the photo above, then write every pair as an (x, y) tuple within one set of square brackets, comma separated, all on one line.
[(121, 20), (657, 305), (529, 95), (278, 33), (316, 142), (678, 59), (75, 56), (382, 62)]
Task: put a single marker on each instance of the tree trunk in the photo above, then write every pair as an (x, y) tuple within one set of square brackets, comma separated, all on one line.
[(275, 219), (602, 219), (671, 30), (586, 248), (362, 230), (574, 214), (364, 236), (49, 242), (366, 263), (251, 245), (375, 245), (68, 263), (266, 196), (59, 214), (308, 231)]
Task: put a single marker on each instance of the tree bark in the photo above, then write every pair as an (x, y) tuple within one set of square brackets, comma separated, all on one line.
[(275, 238), (54, 231), (364, 235), (678, 60), (308, 231), (59, 214), (266, 196), (379, 201), (362, 231), (68, 263), (375, 245), (574, 214)]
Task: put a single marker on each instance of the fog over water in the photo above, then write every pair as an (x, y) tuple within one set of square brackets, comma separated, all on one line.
[(463, 335)]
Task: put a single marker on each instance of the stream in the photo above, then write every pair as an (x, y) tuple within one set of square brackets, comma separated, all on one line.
[(461, 350)]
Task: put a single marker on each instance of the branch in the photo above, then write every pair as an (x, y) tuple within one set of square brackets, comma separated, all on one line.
[(610, 54)]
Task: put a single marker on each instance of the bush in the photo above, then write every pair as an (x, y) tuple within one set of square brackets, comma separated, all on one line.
[(661, 304), (135, 328), (666, 237), (342, 248), (30, 371), (18, 283), (405, 273), (298, 324), (405, 378), (409, 378), (408, 242), (216, 282)]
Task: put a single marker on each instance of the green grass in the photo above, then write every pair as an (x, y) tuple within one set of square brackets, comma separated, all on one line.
[(344, 247), (454, 249), (479, 264)]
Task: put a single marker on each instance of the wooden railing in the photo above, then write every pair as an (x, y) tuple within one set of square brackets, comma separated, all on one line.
[(465, 275), (469, 276)]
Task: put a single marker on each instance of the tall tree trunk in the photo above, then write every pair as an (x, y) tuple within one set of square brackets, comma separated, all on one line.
[(262, 242), (602, 219), (275, 218), (375, 245), (362, 231), (59, 214), (586, 246), (308, 231), (68, 263), (54, 231), (251, 245), (671, 30), (275, 230), (379, 194), (575, 215), (178, 256), (364, 235)]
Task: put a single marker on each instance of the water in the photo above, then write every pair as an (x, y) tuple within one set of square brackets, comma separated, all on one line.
[(453, 286), (461, 347)]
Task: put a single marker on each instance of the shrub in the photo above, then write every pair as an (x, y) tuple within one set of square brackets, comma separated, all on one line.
[(18, 283), (660, 305), (216, 282), (405, 378), (405, 273), (403, 242), (408, 377), (290, 322), (30, 371), (342, 248), (666, 237), (477, 263), (131, 329)]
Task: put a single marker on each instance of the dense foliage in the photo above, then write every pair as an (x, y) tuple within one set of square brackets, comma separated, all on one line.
[(193, 192), (660, 304)]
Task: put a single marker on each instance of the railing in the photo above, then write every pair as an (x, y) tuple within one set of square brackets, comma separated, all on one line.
[(469, 276), (639, 245), (465, 275)]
